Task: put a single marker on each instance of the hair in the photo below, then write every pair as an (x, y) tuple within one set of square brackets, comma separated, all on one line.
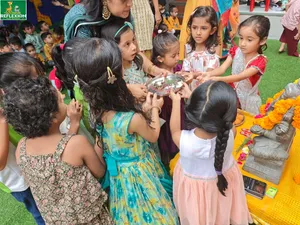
[(15, 41), (30, 105), (4, 33), (83, 57), (109, 31), (161, 45), (12, 26), (212, 19), (17, 65), (40, 24), (213, 108), (171, 7), (58, 30), (3, 43), (163, 27), (261, 27), (25, 24), (28, 45), (44, 35)]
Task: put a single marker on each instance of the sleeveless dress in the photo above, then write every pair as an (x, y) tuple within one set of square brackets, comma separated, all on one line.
[(247, 89), (196, 195), (135, 175), (64, 194)]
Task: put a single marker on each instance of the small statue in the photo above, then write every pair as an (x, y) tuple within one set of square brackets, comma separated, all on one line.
[(270, 148)]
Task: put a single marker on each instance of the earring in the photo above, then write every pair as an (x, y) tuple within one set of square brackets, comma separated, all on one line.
[(105, 11)]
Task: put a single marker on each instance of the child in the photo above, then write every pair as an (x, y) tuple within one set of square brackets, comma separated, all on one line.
[(30, 49), (136, 177), (11, 179), (61, 175), (208, 185), (173, 20), (4, 46), (14, 32), (291, 28), (58, 35), (248, 63), (166, 55), (200, 50), (43, 27), (48, 41), (31, 36), (16, 44)]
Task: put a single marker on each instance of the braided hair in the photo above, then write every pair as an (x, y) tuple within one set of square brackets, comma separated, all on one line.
[(213, 108)]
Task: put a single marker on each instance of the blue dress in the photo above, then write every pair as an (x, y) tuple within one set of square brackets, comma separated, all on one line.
[(137, 195)]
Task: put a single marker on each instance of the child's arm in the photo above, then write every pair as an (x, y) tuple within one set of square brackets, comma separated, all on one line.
[(220, 70), (74, 112), (140, 126), (86, 151), (175, 119), (235, 78), (4, 141), (150, 68)]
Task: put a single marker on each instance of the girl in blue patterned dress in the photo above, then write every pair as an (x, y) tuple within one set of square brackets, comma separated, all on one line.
[(139, 190)]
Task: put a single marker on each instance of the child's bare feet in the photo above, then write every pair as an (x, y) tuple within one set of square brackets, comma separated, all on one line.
[(281, 49)]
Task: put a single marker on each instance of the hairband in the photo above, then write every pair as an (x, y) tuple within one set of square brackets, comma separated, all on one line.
[(111, 77), (219, 173), (126, 24), (62, 46)]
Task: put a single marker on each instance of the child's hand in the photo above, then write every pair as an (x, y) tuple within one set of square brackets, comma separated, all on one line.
[(174, 96), (185, 92), (139, 91), (74, 111), (148, 103), (188, 76), (297, 36), (157, 101)]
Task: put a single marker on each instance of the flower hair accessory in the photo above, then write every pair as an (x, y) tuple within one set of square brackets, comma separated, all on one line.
[(62, 46), (159, 31), (111, 77)]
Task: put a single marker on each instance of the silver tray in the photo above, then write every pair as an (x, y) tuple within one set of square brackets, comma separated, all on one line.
[(163, 85)]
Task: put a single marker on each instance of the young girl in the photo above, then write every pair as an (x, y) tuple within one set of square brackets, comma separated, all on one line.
[(165, 55), (122, 33), (135, 175), (248, 63), (200, 50), (208, 185), (61, 170)]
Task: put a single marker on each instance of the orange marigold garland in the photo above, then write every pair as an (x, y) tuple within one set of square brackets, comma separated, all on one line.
[(268, 121)]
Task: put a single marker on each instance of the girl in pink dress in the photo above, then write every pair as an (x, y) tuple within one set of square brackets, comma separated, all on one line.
[(208, 185), (248, 63), (200, 53)]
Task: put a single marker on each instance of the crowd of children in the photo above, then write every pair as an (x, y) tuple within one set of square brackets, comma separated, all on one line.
[(122, 179)]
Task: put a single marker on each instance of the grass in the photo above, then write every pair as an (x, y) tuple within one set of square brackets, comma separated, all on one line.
[(281, 70)]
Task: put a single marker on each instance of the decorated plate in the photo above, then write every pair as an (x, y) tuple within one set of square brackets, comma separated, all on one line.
[(163, 85)]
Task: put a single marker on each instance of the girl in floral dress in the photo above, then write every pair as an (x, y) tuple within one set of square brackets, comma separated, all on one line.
[(248, 63), (139, 187), (200, 50), (61, 170)]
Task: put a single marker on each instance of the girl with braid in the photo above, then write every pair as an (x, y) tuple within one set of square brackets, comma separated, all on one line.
[(206, 177)]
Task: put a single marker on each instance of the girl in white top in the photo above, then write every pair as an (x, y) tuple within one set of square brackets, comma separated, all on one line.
[(206, 177)]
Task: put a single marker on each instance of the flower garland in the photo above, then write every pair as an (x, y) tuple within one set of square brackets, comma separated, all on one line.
[(268, 121)]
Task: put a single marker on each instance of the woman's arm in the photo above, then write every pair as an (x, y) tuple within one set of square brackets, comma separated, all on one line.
[(150, 68), (157, 12), (74, 112), (175, 125), (4, 141)]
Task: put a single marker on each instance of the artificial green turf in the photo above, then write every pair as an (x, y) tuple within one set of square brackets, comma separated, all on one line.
[(281, 69)]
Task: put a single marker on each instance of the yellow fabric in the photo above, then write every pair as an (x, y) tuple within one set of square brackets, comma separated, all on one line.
[(174, 23), (166, 22), (285, 207), (47, 51)]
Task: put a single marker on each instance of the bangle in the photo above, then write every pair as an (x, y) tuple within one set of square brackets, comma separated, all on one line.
[(157, 107), (150, 69)]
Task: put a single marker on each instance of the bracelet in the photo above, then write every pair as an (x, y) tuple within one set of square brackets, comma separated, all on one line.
[(157, 107), (150, 68)]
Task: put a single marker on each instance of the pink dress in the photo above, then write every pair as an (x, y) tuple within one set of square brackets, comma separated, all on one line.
[(199, 62), (195, 192), (247, 89)]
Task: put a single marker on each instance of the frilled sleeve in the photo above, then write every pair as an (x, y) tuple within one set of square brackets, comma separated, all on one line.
[(232, 51), (260, 64)]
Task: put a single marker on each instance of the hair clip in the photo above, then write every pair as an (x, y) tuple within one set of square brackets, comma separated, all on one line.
[(111, 77), (159, 31), (76, 78), (62, 46)]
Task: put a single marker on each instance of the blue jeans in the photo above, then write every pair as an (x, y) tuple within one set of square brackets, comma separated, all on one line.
[(27, 198)]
